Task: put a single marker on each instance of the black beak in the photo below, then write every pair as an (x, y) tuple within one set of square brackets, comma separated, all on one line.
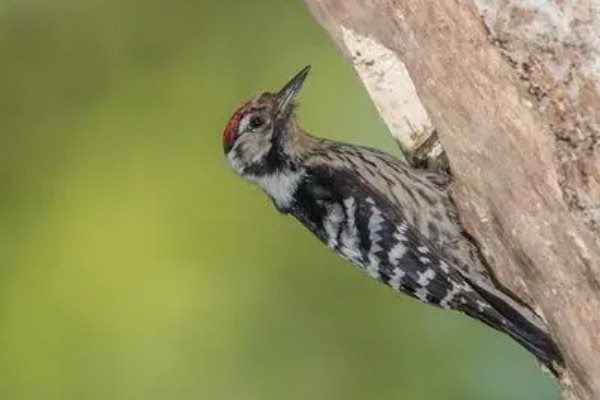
[(287, 94)]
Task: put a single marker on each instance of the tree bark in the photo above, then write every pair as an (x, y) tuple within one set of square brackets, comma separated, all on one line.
[(513, 90)]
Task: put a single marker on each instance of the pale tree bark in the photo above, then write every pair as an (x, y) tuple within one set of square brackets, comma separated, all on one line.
[(512, 88)]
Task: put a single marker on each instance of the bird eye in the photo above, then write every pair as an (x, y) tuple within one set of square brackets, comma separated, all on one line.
[(256, 121)]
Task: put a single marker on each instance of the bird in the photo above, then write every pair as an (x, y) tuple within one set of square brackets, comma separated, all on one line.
[(392, 218)]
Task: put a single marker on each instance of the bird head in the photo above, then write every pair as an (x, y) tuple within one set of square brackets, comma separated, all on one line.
[(256, 136)]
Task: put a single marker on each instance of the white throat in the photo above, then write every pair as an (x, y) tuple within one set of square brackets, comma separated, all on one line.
[(280, 186)]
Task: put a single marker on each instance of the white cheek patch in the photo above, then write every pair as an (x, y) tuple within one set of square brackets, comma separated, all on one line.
[(234, 162), (251, 147), (263, 147)]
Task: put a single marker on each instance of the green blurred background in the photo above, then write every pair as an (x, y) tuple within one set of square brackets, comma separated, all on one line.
[(135, 265)]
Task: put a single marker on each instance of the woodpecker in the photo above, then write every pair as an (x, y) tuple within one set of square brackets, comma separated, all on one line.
[(391, 219)]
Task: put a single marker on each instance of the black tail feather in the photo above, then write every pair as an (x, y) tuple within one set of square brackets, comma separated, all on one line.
[(506, 318)]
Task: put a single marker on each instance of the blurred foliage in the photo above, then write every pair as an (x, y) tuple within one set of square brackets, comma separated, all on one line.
[(135, 265)]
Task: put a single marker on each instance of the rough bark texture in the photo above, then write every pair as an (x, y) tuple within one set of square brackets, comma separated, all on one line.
[(513, 89)]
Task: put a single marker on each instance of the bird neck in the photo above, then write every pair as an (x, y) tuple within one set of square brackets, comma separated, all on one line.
[(296, 143)]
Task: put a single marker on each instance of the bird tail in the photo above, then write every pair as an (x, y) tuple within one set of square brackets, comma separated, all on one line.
[(519, 322)]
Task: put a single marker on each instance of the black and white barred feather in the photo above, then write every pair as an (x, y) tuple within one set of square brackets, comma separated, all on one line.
[(364, 227)]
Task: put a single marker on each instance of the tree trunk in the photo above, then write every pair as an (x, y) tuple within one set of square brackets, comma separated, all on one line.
[(513, 90)]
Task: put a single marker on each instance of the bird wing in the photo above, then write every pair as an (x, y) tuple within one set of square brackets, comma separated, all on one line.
[(362, 225)]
